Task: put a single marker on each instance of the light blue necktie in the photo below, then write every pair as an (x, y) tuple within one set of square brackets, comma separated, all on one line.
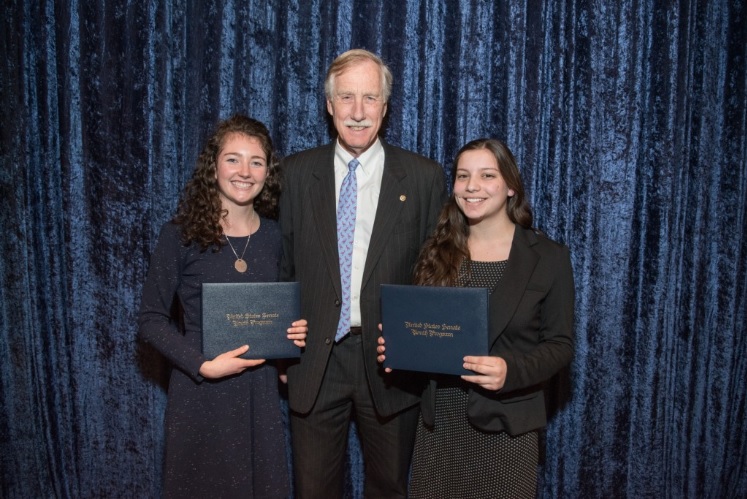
[(346, 209)]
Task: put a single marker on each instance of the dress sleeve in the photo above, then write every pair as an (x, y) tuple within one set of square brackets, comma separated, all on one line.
[(155, 322)]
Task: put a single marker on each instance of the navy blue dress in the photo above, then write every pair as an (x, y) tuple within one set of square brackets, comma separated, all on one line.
[(224, 438)]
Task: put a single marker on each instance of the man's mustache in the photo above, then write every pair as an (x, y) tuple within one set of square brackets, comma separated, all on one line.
[(363, 123)]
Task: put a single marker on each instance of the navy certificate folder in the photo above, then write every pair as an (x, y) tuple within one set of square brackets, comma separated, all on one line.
[(255, 314), (431, 329)]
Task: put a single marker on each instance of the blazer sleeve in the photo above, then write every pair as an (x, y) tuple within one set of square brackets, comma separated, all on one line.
[(437, 199), (554, 340), (287, 265)]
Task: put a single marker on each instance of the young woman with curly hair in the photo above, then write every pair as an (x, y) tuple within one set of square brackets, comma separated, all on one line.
[(224, 432), (478, 434)]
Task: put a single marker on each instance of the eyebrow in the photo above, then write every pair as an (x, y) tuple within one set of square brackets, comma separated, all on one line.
[(233, 153), (365, 93), (494, 168)]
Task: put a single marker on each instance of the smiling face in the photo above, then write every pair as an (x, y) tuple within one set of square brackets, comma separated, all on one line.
[(479, 189), (358, 106), (241, 170)]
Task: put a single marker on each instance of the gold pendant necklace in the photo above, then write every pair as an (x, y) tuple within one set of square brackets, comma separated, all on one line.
[(240, 264)]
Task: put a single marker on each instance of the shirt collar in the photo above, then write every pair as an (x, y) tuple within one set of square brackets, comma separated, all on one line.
[(366, 159)]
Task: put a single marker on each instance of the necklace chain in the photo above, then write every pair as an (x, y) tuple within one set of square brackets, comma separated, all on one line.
[(240, 264)]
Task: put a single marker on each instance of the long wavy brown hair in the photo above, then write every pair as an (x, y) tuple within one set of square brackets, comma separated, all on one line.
[(200, 210), (444, 252)]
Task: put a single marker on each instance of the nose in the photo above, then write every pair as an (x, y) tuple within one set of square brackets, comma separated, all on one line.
[(357, 112), (246, 169), (472, 185)]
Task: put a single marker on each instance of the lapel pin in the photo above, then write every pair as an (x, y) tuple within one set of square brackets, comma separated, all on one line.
[(402, 197)]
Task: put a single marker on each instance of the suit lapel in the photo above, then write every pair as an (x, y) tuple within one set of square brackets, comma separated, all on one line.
[(508, 292), (387, 210), (322, 194)]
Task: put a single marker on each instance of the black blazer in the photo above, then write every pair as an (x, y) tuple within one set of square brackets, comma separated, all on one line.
[(531, 328), (411, 197)]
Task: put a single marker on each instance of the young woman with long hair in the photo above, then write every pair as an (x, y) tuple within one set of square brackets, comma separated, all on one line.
[(224, 431), (478, 433)]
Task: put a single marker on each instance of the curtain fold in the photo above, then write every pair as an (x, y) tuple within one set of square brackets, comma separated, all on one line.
[(628, 120)]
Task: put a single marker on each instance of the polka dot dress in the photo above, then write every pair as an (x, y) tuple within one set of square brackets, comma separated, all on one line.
[(456, 460)]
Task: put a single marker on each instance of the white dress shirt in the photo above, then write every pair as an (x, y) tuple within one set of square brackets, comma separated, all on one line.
[(368, 175)]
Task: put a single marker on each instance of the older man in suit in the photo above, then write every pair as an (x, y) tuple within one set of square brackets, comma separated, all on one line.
[(354, 214)]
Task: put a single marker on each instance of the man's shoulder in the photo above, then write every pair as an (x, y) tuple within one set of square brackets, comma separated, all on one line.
[(311, 154), (405, 153), (408, 157)]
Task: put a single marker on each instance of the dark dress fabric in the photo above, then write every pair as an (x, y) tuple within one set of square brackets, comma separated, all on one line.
[(224, 438), (454, 459)]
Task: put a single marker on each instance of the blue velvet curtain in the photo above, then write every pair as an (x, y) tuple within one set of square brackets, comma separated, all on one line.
[(628, 119)]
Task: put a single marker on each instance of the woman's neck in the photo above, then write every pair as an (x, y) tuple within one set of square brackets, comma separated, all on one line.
[(240, 222), (491, 242)]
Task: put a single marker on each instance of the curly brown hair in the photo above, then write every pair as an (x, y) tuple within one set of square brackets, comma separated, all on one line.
[(443, 253), (200, 211)]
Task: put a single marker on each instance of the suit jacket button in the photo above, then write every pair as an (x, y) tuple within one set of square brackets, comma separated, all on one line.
[(327, 341), (337, 303)]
